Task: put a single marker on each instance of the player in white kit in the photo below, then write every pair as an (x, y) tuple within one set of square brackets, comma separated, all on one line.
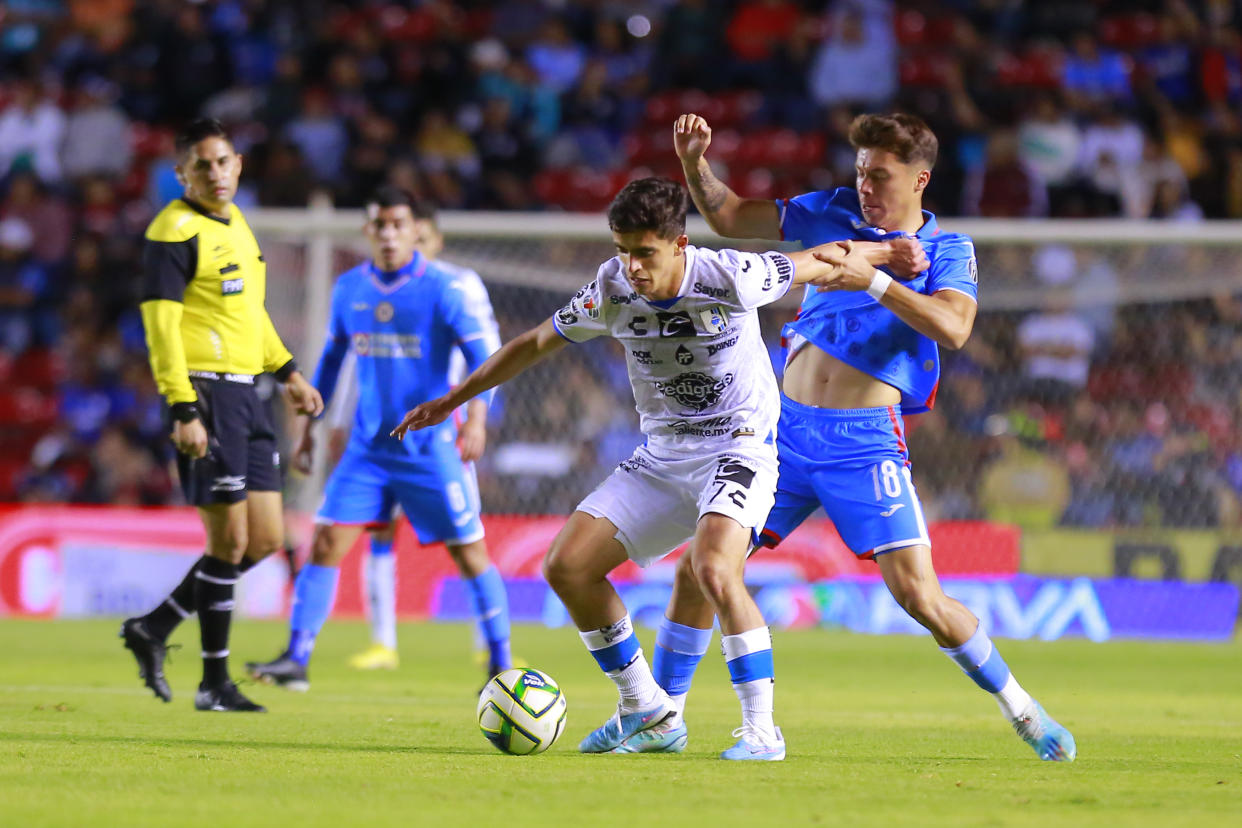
[(709, 404)]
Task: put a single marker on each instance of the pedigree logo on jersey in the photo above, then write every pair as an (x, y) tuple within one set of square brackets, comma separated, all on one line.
[(695, 390)]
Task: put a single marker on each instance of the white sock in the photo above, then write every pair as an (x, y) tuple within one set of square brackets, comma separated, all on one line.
[(381, 580), (1013, 700), (636, 685), (757, 696), (757, 701), (680, 702)]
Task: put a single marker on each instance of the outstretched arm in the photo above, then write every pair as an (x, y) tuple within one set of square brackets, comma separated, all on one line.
[(512, 359), (727, 213)]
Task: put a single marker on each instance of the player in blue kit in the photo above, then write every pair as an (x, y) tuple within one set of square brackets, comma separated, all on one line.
[(402, 315), (861, 353)]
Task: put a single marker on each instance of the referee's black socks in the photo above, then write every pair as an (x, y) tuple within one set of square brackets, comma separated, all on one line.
[(213, 597), (180, 603)]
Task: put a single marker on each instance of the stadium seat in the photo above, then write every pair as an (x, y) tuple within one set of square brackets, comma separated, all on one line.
[(41, 368), (26, 407), (1129, 32)]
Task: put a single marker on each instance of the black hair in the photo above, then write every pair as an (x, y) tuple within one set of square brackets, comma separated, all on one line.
[(197, 130), (392, 196), (657, 204)]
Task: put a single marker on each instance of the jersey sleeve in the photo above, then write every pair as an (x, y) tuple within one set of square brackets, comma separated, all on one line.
[(276, 357), (758, 278), (954, 268), (167, 267), (582, 317), (335, 347), (802, 219)]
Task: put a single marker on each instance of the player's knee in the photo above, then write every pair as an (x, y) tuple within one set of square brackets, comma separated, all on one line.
[(230, 545), (684, 575), (259, 547), (323, 551), (918, 598), (715, 576), (471, 558)]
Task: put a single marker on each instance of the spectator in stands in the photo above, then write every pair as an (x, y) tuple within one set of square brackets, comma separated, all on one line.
[(758, 35), (29, 200), (32, 128), (1055, 343), (1168, 64), (1155, 169), (690, 47), (556, 58), (856, 63), (320, 135), (1005, 186), (96, 132), (1112, 149), (1022, 484), (1092, 75), (1050, 143), (24, 285)]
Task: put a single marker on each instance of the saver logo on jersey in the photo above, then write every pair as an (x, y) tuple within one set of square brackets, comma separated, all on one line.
[(715, 319), (677, 323), (695, 390)]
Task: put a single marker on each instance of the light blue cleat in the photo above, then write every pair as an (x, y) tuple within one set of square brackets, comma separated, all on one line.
[(750, 747), (620, 727), (1050, 740), (666, 737)]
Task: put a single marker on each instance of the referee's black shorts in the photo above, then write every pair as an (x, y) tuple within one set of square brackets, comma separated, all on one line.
[(241, 442)]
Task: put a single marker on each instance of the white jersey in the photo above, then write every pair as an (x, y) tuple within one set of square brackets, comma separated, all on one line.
[(698, 367), (478, 304)]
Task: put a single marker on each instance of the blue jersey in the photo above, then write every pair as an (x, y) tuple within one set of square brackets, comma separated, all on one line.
[(855, 328), (402, 328)]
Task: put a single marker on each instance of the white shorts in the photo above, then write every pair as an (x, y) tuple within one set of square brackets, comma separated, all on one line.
[(656, 503)]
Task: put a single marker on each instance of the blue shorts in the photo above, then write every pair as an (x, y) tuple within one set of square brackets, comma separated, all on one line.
[(854, 463), (437, 491)]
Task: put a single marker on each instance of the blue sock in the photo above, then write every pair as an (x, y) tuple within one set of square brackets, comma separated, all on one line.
[(314, 593), (678, 651), (980, 660), (614, 647), (491, 608)]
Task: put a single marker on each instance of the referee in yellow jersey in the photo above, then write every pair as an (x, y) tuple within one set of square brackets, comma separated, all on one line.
[(209, 336)]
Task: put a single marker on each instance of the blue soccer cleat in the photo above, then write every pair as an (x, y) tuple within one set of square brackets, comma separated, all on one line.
[(670, 736), (751, 747), (621, 726), (1050, 740)]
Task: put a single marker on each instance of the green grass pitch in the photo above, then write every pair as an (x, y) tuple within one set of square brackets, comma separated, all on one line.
[(881, 731)]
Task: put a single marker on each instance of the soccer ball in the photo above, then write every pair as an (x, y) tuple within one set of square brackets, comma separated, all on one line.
[(522, 711)]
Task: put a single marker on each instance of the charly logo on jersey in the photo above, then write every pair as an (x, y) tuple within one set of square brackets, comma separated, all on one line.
[(675, 324), (715, 319), (384, 312), (683, 355), (695, 390), (566, 316), (972, 268)]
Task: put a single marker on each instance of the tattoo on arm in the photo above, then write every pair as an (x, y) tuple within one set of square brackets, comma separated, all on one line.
[(708, 191)]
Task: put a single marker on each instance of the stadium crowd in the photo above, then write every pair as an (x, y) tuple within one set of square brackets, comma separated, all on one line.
[(1070, 414)]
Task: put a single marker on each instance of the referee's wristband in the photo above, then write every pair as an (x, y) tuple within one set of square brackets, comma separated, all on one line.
[(285, 371), (879, 283), (185, 412)]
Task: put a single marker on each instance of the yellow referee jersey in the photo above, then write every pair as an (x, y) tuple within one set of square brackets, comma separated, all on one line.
[(202, 300)]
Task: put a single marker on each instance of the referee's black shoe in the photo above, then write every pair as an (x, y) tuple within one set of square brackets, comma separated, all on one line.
[(149, 652), (225, 698), (282, 671)]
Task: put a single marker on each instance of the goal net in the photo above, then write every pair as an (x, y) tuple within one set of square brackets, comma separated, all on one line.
[(1095, 409)]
